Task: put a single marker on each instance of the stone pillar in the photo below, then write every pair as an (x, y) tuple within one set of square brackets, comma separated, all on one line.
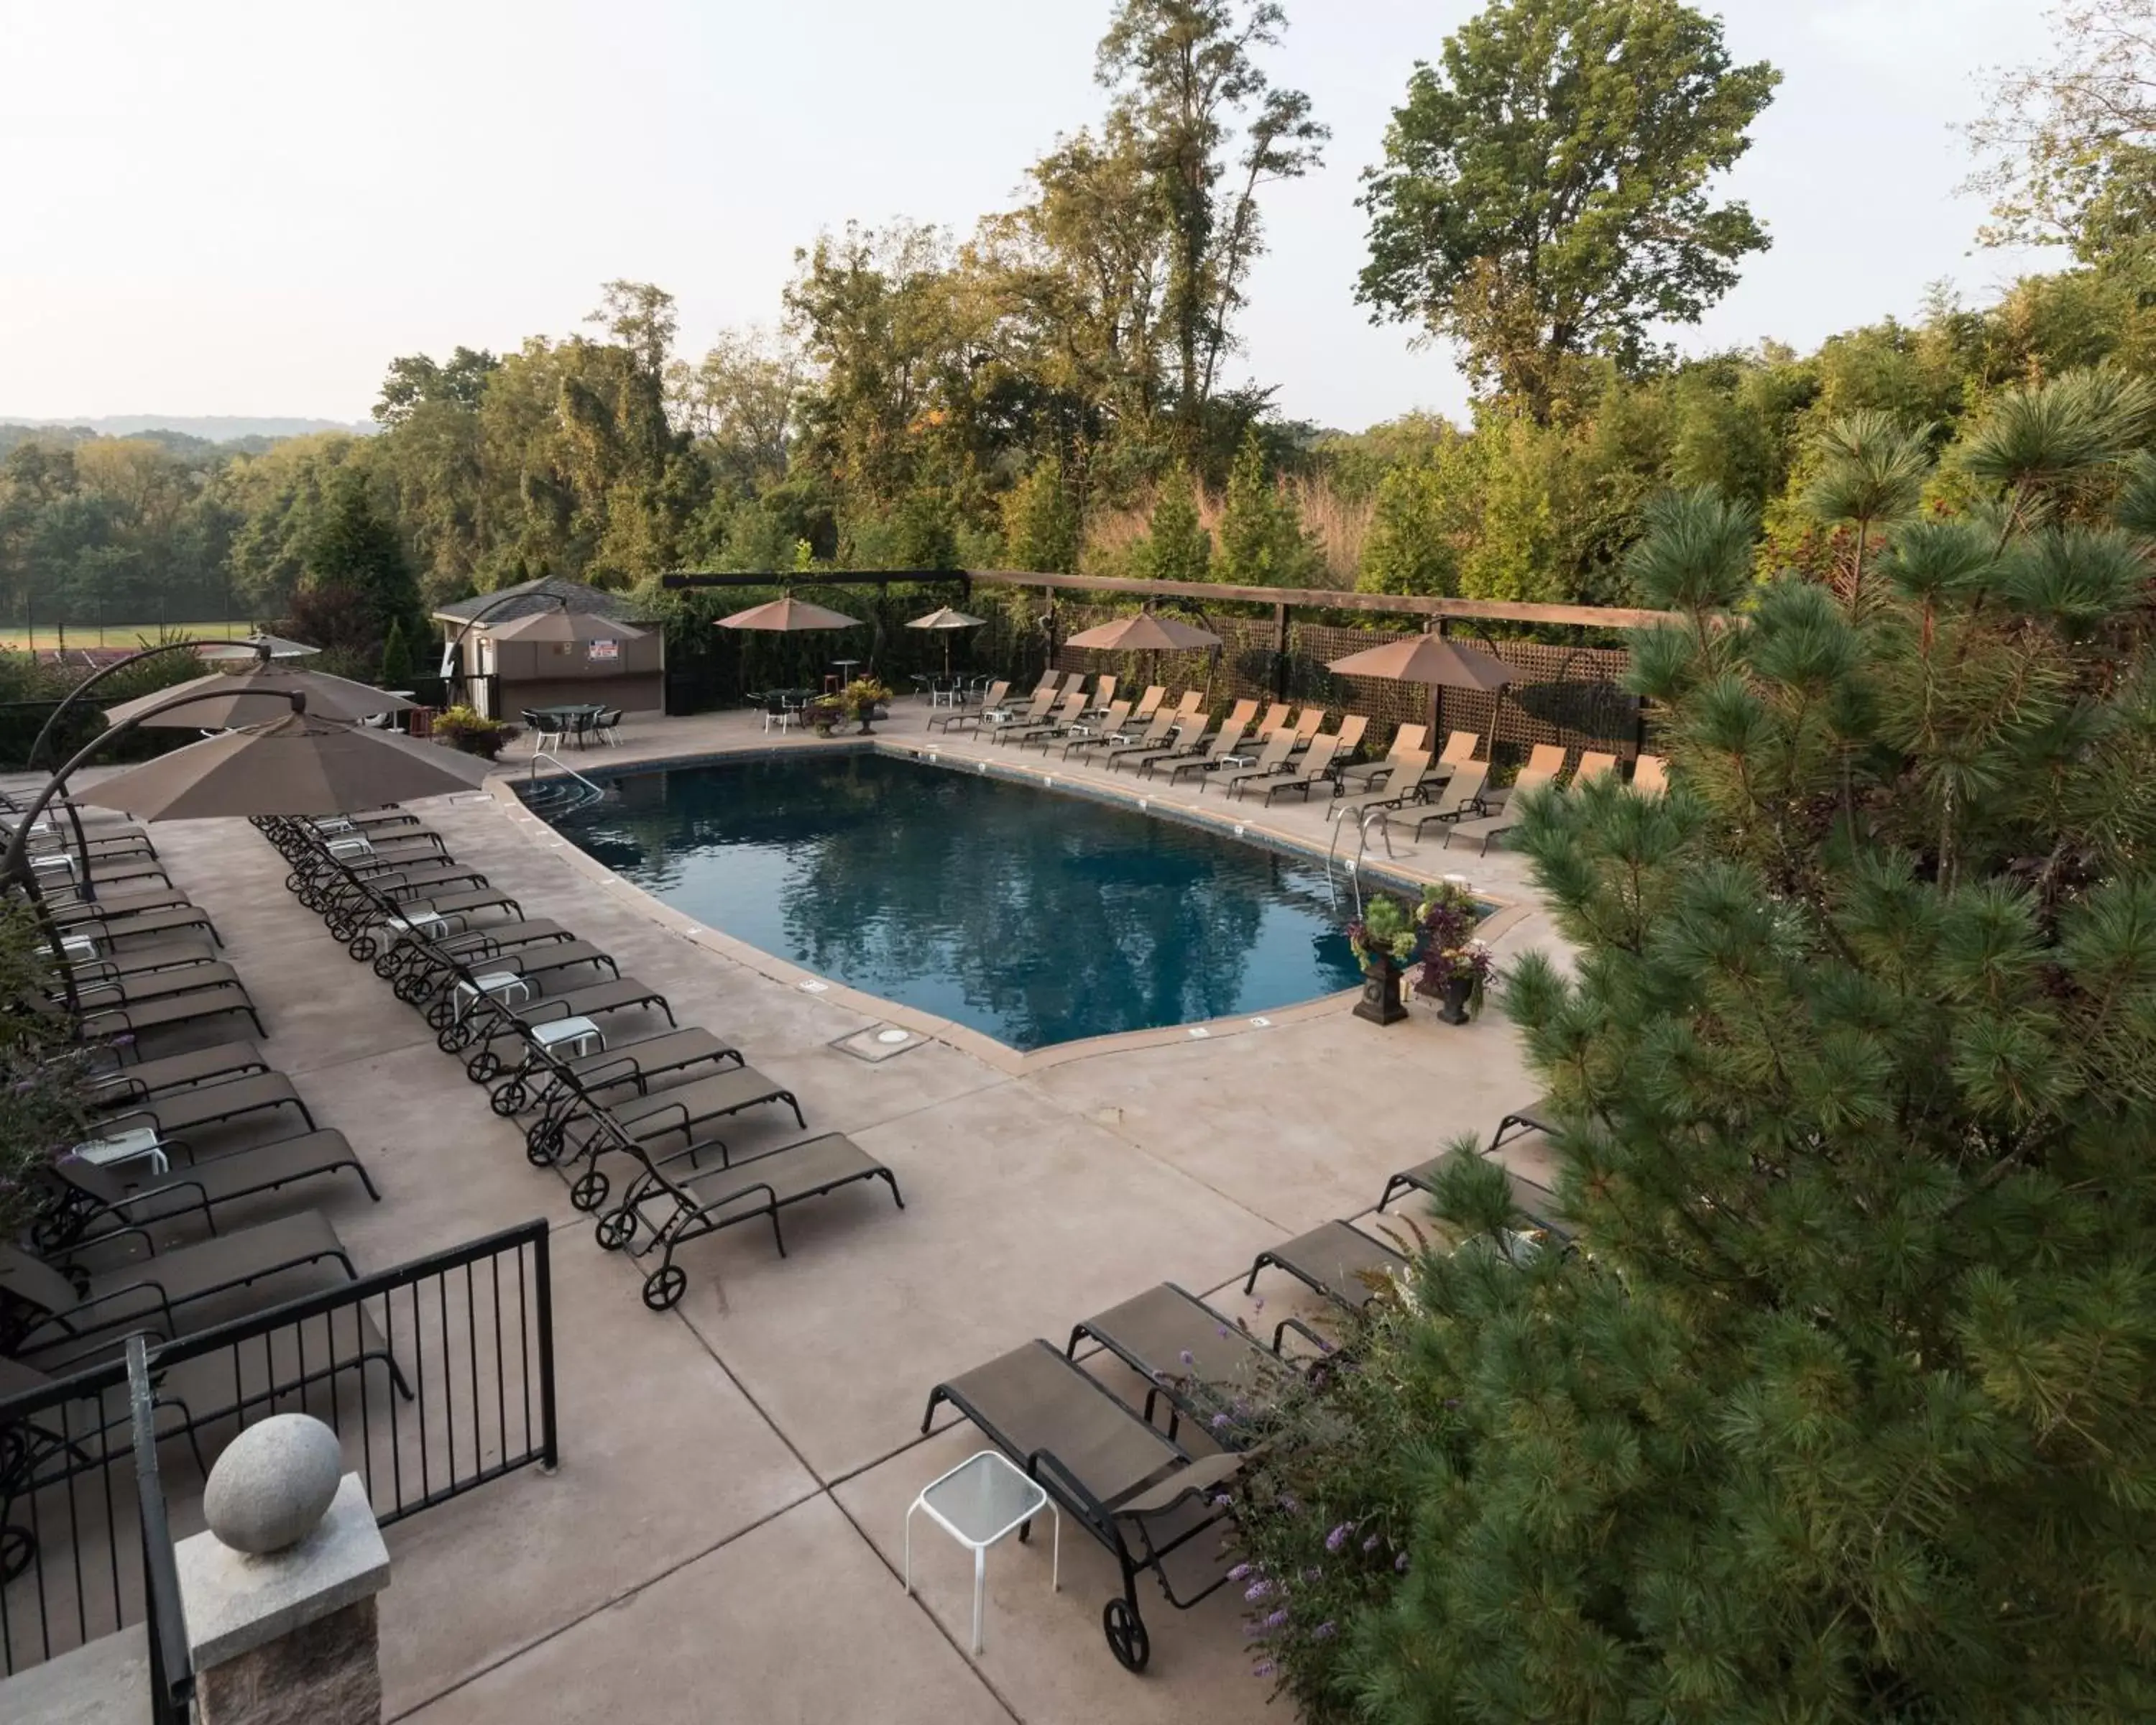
[(279, 1595)]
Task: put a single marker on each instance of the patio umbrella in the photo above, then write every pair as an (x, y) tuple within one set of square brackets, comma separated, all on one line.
[(256, 696), (562, 626), (788, 614), (1142, 632), (1430, 659), (279, 647), (946, 619), (299, 764)]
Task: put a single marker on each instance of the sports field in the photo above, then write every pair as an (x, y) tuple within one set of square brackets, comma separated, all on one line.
[(14, 639)]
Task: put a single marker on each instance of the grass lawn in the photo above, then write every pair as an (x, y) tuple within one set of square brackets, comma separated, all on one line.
[(16, 639)]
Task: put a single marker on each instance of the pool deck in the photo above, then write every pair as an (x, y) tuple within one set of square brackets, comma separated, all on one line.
[(723, 1538)]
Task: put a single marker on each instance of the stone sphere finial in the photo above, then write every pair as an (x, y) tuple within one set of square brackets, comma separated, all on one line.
[(274, 1483)]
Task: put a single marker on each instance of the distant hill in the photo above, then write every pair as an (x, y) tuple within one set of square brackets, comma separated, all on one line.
[(211, 428)]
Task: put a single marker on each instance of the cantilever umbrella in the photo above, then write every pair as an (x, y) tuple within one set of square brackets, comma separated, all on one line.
[(947, 620), (1432, 659), (257, 696), (299, 764), (1142, 632), (278, 646), (788, 614), (564, 626)]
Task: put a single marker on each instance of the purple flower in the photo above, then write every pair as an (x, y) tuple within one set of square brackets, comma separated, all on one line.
[(1223, 1329), (1338, 1536), (1222, 1500), (1323, 1632), (1257, 1590), (1263, 1668), (1238, 1572), (1187, 1358), (1275, 1619), (1220, 1422), (1400, 1562), (1371, 1543)]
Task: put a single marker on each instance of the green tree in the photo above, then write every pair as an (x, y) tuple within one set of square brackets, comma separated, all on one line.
[(1213, 131), (1414, 525), (1177, 545), (1543, 194), (1262, 542), (1843, 1409), (397, 664), (1040, 522), (352, 548)]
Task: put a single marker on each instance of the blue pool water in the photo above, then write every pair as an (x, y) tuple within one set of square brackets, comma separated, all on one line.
[(1033, 916)]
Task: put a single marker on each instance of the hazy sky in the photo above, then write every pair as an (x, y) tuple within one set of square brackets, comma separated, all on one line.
[(228, 207)]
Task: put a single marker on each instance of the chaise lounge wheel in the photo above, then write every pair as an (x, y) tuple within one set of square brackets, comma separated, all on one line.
[(510, 1098), (543, 1143), (590, 1191), (664, 1285), (617, 1230), (454, 1039), (385, 965), (360, 946), (440, 1015), (411, 990), (1127, 1639), (484, 1067)]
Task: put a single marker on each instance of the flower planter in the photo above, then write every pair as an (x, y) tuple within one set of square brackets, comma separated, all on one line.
[(1452, 1002), (1380, 1004)]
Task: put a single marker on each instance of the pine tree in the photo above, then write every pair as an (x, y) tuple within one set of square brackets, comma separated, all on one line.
[(1262, 543), (1844, 1411), (1041, 529), (353, 545), (397, 671), (1177, 546)]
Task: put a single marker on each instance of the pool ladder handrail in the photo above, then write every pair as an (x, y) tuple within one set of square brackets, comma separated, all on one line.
[(1362, 847), (531, 776)]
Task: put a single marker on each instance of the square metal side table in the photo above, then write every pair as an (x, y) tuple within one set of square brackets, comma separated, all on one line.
[(980, 1501)]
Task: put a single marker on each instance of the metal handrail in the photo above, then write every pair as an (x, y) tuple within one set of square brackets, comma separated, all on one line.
[(532, 777), (172, 1675)]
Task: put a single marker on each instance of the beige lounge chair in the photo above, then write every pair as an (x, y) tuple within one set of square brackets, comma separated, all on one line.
[(1149, 703), (1277, 716), (1188, 739), (1650, 775), (1230, 740), (1312, 768), (1272, 759), (1408, 741)]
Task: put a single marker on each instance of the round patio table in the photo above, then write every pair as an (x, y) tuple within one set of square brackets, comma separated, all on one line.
[(566, 717)]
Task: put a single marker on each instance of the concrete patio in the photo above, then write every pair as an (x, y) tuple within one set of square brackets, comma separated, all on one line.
[(723, 1536)]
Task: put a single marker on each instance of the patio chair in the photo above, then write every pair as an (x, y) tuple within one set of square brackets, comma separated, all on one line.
[(1139, 1493), (1277, 716), (1149, 703), (1340, 1263), (1187, 737), (169, 1073), (1185, 1351), (777, 713), (1109, 725), (500, 1027), (1404, 782), (1367, 775), (1104, 694), (1349, 737), (1539, 1115), (1271, 760), (653, 1117), (120, 930), (208, 1104), (545, 728), (59, 1305), (1594, 764), (1536, 1202), (606, 724), (100, 1023), (1485, 827), (140, 988), (970, 718), (1313, 769), (1458, 801), (1650, 776), (1230, 740), (556, 1083), (677, 1211), (1240, 715), (1129, 741), (91, 1202), (1066, 714)]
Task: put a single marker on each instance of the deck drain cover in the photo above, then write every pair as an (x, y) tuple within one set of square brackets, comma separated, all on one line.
[(878, 1042)]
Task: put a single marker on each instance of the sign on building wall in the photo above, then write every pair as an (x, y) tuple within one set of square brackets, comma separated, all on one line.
[(604, 652)]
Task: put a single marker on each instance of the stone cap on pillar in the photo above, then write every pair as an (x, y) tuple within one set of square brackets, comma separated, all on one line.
[(235, 1601)]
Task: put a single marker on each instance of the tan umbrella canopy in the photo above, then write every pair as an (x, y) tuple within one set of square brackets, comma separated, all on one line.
[(299, 764), (256, 696), (277, 645), (947, 620), (1144, 633), (788, 614), (563, 625), (1427, 659)]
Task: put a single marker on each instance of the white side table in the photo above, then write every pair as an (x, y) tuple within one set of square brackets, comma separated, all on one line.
[(135, 1142), (506, 986), (575, 1036), (980, 1501)]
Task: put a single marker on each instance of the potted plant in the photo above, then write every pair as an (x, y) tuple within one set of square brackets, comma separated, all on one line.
[(861, 697), (474, 733), (824, 713), (1384, 938), (1456, 967)]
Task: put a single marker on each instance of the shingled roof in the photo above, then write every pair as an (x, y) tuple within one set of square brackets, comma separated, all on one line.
[(529, 598)]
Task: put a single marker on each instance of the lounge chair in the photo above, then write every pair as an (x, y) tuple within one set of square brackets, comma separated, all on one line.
[(1594, 764), (500, 1028), (170, 1073), (1104, 694), (1098, 732), (1184, 1350), (1534, 1201), (1230, 740), (1538, 1117), (1153, 736), (1066, 715), (1187, 707), (1308, 725), (1482, 828), (1313, 768), (125, 931), (1458, 802), (676, 1211), (1650, 775), (1343, 1264), (1404, 782), (149, 1293), (971, 718), (1186, 737), (1240, 715), (57, 865), (1137, 1491), (138, 990), (1407, 741), (201, 1105), (1349, 737), (652, 1118), (551, 1082), (1039, 705), (93, 1201), (99, 1023), (140, 960), (1271, 760), (1277, 716), (1149, 703)]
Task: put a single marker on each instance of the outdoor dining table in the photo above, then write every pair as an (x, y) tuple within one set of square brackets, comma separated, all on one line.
[(568, 716)]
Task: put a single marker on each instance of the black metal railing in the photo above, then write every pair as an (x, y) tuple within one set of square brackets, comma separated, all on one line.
[(438, 1376), (165, 1630)]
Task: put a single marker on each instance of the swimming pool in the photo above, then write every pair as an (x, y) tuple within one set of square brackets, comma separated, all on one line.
[(1032, 917)]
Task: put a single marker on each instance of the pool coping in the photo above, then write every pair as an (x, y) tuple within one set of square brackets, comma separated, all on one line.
[(1001, 1056)]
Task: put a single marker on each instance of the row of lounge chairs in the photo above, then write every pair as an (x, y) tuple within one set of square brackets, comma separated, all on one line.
[(133, 1229), (636, 1126), (1145, 1471)]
